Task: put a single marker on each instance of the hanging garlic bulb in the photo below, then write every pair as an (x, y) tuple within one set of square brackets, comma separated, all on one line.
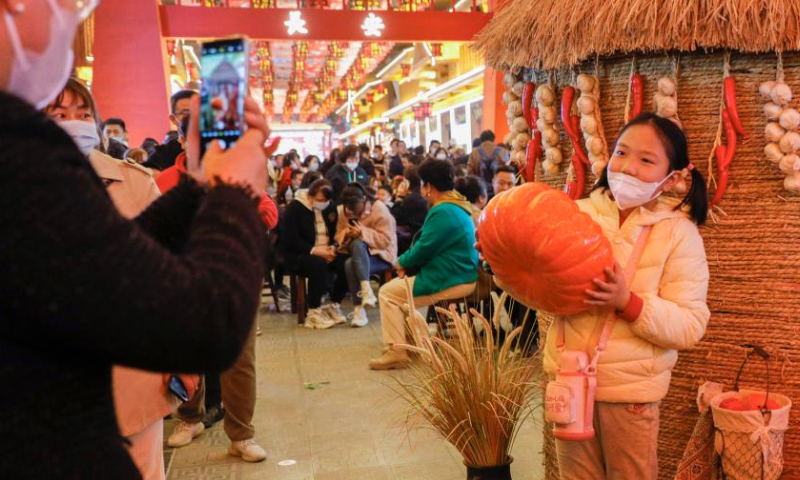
[(790, 164), (765, 89), (790, 119), (781, 94), (667, 86), (790, 142), (772, 111), (773, 152), (773, 132)]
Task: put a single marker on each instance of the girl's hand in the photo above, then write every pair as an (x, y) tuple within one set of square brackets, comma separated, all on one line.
[(613, 293)]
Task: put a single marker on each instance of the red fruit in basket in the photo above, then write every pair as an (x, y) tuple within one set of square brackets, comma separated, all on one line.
[(543, 249), (756, 400), (732, 403)]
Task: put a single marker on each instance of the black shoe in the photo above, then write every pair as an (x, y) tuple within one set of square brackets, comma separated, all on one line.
[(213, 415)]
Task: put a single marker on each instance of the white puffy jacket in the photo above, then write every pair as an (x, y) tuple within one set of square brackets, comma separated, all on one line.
[(672, 279)]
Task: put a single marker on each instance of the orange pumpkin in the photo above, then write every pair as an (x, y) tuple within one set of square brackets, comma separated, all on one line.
[(542, 249)]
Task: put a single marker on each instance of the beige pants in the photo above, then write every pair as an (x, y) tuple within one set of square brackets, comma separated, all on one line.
[(393, 300), (624, 446), (238, 385)]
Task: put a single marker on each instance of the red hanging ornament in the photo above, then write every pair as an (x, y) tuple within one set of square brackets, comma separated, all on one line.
[(405, 69)]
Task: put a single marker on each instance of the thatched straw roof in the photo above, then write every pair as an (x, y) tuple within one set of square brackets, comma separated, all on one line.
[(557, 33)]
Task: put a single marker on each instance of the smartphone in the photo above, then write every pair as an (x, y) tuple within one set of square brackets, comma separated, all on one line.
[(178, 389), (224, 87)]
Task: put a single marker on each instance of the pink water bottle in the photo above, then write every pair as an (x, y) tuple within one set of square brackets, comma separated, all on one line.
[(569, 400)]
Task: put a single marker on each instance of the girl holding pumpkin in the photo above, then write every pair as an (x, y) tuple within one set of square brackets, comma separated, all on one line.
[(663, 310)]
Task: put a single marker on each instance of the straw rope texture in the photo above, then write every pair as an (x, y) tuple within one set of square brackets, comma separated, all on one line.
[(753, 246)]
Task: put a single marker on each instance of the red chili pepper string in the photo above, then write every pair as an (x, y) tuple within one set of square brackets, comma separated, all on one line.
[(527, 99), (724, 155), (533, 151), (729, 95), (579, 159), (637, 94)]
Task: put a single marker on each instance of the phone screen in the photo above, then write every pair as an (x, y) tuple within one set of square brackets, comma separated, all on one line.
[(224, 89)]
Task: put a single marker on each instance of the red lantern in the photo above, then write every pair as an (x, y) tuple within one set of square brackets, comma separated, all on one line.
[(172, 47), (436, 49), (381, 88), (405, 69), (542, 249), (370, 97)]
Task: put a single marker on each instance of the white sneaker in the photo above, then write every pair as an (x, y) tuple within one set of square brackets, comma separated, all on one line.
[(317, 319), (249, 450), (184, 433), (359, 317), (367, 295), (334, 313)]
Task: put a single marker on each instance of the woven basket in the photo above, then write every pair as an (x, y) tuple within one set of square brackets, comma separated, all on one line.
[(753, 248)]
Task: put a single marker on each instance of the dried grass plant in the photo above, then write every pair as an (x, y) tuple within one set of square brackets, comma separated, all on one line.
[(474, 390)]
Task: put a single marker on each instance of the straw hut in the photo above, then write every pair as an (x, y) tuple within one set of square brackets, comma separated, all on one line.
[(753, 240)]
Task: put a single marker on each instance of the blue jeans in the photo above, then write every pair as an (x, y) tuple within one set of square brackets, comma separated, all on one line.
[(360, 266)]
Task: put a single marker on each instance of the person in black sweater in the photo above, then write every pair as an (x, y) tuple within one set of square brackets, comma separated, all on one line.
[(309, 249), (164, 155), (346, 171), (82, 288), (411, 211)]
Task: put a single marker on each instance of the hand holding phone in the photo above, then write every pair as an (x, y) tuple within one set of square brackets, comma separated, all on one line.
[(224, 89)]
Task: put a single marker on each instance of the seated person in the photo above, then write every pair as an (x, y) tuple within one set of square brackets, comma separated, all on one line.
[(474, 189), (385, 195), (307, 243), (366, 233), (409, 210), (444, 255)]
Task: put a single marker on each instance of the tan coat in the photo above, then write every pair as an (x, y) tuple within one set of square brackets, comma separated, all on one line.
[(378, 229), (672, 280), (130, 185), (140, 398)]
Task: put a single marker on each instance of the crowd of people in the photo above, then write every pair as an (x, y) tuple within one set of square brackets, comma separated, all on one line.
[(131, 276)]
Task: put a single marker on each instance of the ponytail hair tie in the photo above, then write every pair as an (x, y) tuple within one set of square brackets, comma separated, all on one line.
[(690, 167)]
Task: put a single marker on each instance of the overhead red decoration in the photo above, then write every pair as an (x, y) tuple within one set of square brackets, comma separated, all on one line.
[(542, 249), (436, 49), (405, 69), (370, 97), (381, 88)]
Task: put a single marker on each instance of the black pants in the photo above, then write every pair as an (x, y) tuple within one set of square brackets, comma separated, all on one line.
[(213, 390), (320, 275)]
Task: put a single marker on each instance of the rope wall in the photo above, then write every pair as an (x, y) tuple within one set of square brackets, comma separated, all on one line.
[(753, 248)]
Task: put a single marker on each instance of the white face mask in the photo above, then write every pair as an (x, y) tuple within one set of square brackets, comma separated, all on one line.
[(39, 77), (441, 156), (321, 205), (631, 192), (84, 134), (352, 166), (313, 167)]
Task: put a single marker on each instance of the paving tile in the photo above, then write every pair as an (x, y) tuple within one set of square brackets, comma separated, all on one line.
[(354, 428)]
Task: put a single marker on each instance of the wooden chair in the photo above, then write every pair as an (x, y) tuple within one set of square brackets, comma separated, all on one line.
[(299, 294)]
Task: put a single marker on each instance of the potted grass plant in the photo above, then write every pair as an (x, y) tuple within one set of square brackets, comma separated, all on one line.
[(474, 389)]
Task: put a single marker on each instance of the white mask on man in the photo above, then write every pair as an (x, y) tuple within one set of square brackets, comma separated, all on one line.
[(39, 77), (351, 166)]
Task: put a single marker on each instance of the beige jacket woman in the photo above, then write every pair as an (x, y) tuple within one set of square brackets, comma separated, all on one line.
[(378, 229), (672, 280)]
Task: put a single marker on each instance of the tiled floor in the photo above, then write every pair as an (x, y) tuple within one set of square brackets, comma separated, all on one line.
[(350, 429)]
